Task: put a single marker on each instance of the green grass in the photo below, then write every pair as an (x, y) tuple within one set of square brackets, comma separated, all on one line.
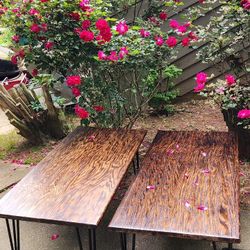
[(5, 37), (8, 143)]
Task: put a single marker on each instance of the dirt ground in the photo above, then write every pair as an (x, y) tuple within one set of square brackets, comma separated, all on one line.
[(189, 115)]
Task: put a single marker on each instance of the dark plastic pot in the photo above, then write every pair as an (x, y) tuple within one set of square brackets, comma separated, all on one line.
[(231, 119)]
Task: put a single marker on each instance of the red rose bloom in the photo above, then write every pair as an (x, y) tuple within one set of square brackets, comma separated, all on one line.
[(185, 42), (73, 81), (86, 24), (34, 72), (81, 112), (87, 36), (75, 16), (101, 24), (98, 108), (163, 16), (171, 42), (76, 92)]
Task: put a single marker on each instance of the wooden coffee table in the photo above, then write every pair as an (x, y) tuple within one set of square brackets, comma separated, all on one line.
[(74, 184), (188, 187)]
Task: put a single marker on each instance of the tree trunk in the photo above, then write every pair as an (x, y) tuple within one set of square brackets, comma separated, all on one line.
[(53, 126)]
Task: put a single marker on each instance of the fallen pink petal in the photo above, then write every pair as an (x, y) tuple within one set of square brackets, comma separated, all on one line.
[(91, 138), (202, 208), (170, 152), (151, 187), (54, 236), (242, 174), (206, 171), (204, 154), (187, 204), (196, 181)]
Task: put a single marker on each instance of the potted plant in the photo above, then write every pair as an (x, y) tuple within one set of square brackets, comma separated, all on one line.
[(225, 47)]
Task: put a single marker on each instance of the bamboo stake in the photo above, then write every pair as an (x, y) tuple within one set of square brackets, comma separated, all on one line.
[(27, 93), (11, 115), (10, 105)]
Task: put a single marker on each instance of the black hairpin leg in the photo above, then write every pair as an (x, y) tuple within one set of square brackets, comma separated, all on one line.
[(79, 238), (134, 166), (214, 246), (230, 247), (123, 241), (14, 234), (133, 241), (92, 239), (124, 245), (138, 160)]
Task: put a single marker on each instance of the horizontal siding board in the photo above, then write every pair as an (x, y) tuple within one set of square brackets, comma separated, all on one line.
[(186, 58)]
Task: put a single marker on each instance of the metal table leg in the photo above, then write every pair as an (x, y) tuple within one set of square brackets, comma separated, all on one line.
[(92, 239), (79, 238), (138, 160), (14, 234), (230, 247)]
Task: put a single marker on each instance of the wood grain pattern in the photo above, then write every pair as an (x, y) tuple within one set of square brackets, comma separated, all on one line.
[(76, 181), (188, 170)]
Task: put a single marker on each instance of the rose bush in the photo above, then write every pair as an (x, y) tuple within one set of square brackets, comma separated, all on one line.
[(113, 68)]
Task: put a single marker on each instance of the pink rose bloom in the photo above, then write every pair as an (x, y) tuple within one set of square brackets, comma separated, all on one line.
[(113, 56), (182, 29), (244, 114), (101, 55), (159, 41), (122, 28), (144, 33), (123, 52), (16, 38), (35, 28), (199, 88), (33, 12), (49, 45), (230, 80), (171, 42), (84, 5), (174, 24), (201, 78), (44, 27), (245, 4)]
